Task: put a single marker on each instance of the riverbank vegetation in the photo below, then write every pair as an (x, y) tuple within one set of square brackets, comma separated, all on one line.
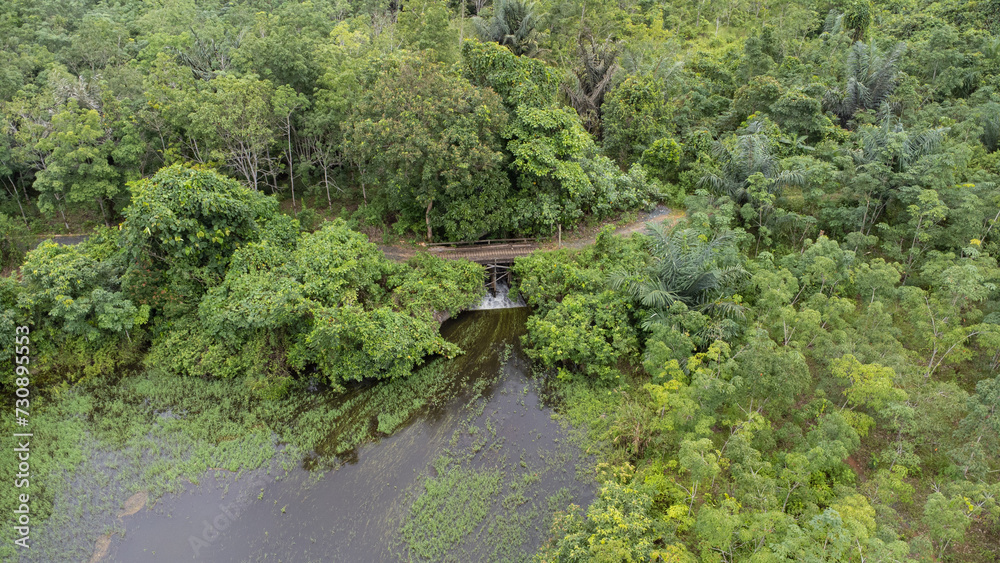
[(805, 368), (801, 403), (206, 279), (195, 334), (766, 406)]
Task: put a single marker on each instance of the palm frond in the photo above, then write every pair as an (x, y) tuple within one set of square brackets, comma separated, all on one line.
[(513, 24), (872, 77), (686, 269)]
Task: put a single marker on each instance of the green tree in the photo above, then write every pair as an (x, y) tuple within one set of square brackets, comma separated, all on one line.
[(548, 147), (181, 228), (355, 330), (280, 44), (593, 78), (938, 316), (287, 103), (239, 120), (942, 59), (451, 156), (858, 18), (870, 386), (584, 333), (324, 126), (977, 433), (888, 159), (947, 519), (748, 162), (520, 81), (701, 460), (98, 42), (425, 26), (687, 267), (78, 292), (872, 76), (634, 115), (76, 162)]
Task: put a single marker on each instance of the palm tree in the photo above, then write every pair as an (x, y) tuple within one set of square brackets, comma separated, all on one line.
[(592, 80), (872, 76), (750, 157), (513, 25), (687, 267)]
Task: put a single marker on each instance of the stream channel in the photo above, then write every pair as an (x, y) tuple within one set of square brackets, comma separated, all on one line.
[(476, 478)]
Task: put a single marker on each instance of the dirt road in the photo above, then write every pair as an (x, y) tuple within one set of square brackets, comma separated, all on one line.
[(578, 238)]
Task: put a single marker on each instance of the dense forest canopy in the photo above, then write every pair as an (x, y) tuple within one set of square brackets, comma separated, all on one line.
[(563, 111), (805, 368)]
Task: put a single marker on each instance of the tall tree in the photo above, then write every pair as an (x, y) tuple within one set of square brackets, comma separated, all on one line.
[(635, 115), (287, 103), (593, 75), (429, 138), (77, 167), (687, 267), (239, 118), (182, 227), (748, 156)]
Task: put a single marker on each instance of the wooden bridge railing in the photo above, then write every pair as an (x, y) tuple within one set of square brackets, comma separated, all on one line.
[(486, 242)]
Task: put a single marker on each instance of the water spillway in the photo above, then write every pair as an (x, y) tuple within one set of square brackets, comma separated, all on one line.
[(500, 299)]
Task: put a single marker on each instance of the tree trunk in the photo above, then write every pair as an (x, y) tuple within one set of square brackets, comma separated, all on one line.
[(427, 219), (25, 217), (291, 172), (326, 182), (63, 213), (100, 201)]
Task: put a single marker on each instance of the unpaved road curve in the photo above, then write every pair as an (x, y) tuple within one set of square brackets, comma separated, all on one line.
[(576, 239)]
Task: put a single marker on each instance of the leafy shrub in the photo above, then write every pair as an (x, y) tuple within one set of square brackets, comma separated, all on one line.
[(431, 284), (584, 333), (333, 304), (618, 527)]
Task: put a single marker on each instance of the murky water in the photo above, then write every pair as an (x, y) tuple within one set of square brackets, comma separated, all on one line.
[(379, 506)]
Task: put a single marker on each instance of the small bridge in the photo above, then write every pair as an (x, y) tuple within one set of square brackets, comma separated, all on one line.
[(485, 252), (496, 255)]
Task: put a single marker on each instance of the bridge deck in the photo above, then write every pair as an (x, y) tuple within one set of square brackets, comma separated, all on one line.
[(486, 254)]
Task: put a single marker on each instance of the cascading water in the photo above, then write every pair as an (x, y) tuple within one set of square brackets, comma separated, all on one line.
[(499, 300)]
